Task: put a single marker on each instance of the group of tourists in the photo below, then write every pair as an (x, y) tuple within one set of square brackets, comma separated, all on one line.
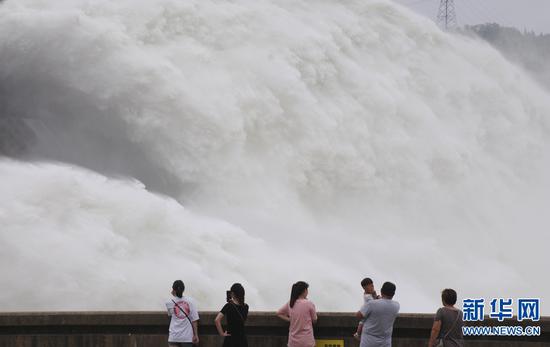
[(376, 317)]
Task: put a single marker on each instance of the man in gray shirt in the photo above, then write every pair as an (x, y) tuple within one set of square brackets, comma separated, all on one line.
[(379, 316)]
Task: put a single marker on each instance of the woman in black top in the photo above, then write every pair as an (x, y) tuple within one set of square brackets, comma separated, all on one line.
[(235, 313)]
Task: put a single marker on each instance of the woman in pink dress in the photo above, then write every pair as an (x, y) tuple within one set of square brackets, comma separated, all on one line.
[(301, 314)]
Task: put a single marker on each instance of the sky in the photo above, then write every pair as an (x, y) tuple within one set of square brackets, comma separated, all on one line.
[(522, 14)]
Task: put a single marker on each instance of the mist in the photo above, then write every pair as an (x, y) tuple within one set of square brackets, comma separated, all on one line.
[(529, 50)]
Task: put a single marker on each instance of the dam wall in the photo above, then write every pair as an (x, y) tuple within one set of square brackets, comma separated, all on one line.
[(264, 329)]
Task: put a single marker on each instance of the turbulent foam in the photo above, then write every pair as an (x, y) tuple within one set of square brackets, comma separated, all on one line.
[(75, 239), (314, 140)]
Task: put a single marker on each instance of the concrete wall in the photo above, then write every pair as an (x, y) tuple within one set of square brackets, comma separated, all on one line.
[(264, 329)]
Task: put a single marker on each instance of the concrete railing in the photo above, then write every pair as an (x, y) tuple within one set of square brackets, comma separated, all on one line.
[(264, 329)]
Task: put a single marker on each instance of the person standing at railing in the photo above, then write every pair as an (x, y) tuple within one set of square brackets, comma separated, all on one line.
[(301, 314), (447, 326), (235, 312), (183, 331), (379, 316)]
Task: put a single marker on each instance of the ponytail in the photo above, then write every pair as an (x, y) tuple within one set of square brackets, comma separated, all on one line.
[(178, 287), (298, 289)]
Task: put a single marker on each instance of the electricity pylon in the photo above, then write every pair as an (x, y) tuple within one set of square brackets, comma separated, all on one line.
[(446, 16)]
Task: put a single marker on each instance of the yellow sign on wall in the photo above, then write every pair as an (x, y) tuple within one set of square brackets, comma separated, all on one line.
[(329, 343)]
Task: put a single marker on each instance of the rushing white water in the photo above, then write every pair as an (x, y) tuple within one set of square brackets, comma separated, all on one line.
[(276, 141)]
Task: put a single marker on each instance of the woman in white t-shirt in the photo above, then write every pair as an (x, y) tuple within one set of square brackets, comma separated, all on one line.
[(183, 330)]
